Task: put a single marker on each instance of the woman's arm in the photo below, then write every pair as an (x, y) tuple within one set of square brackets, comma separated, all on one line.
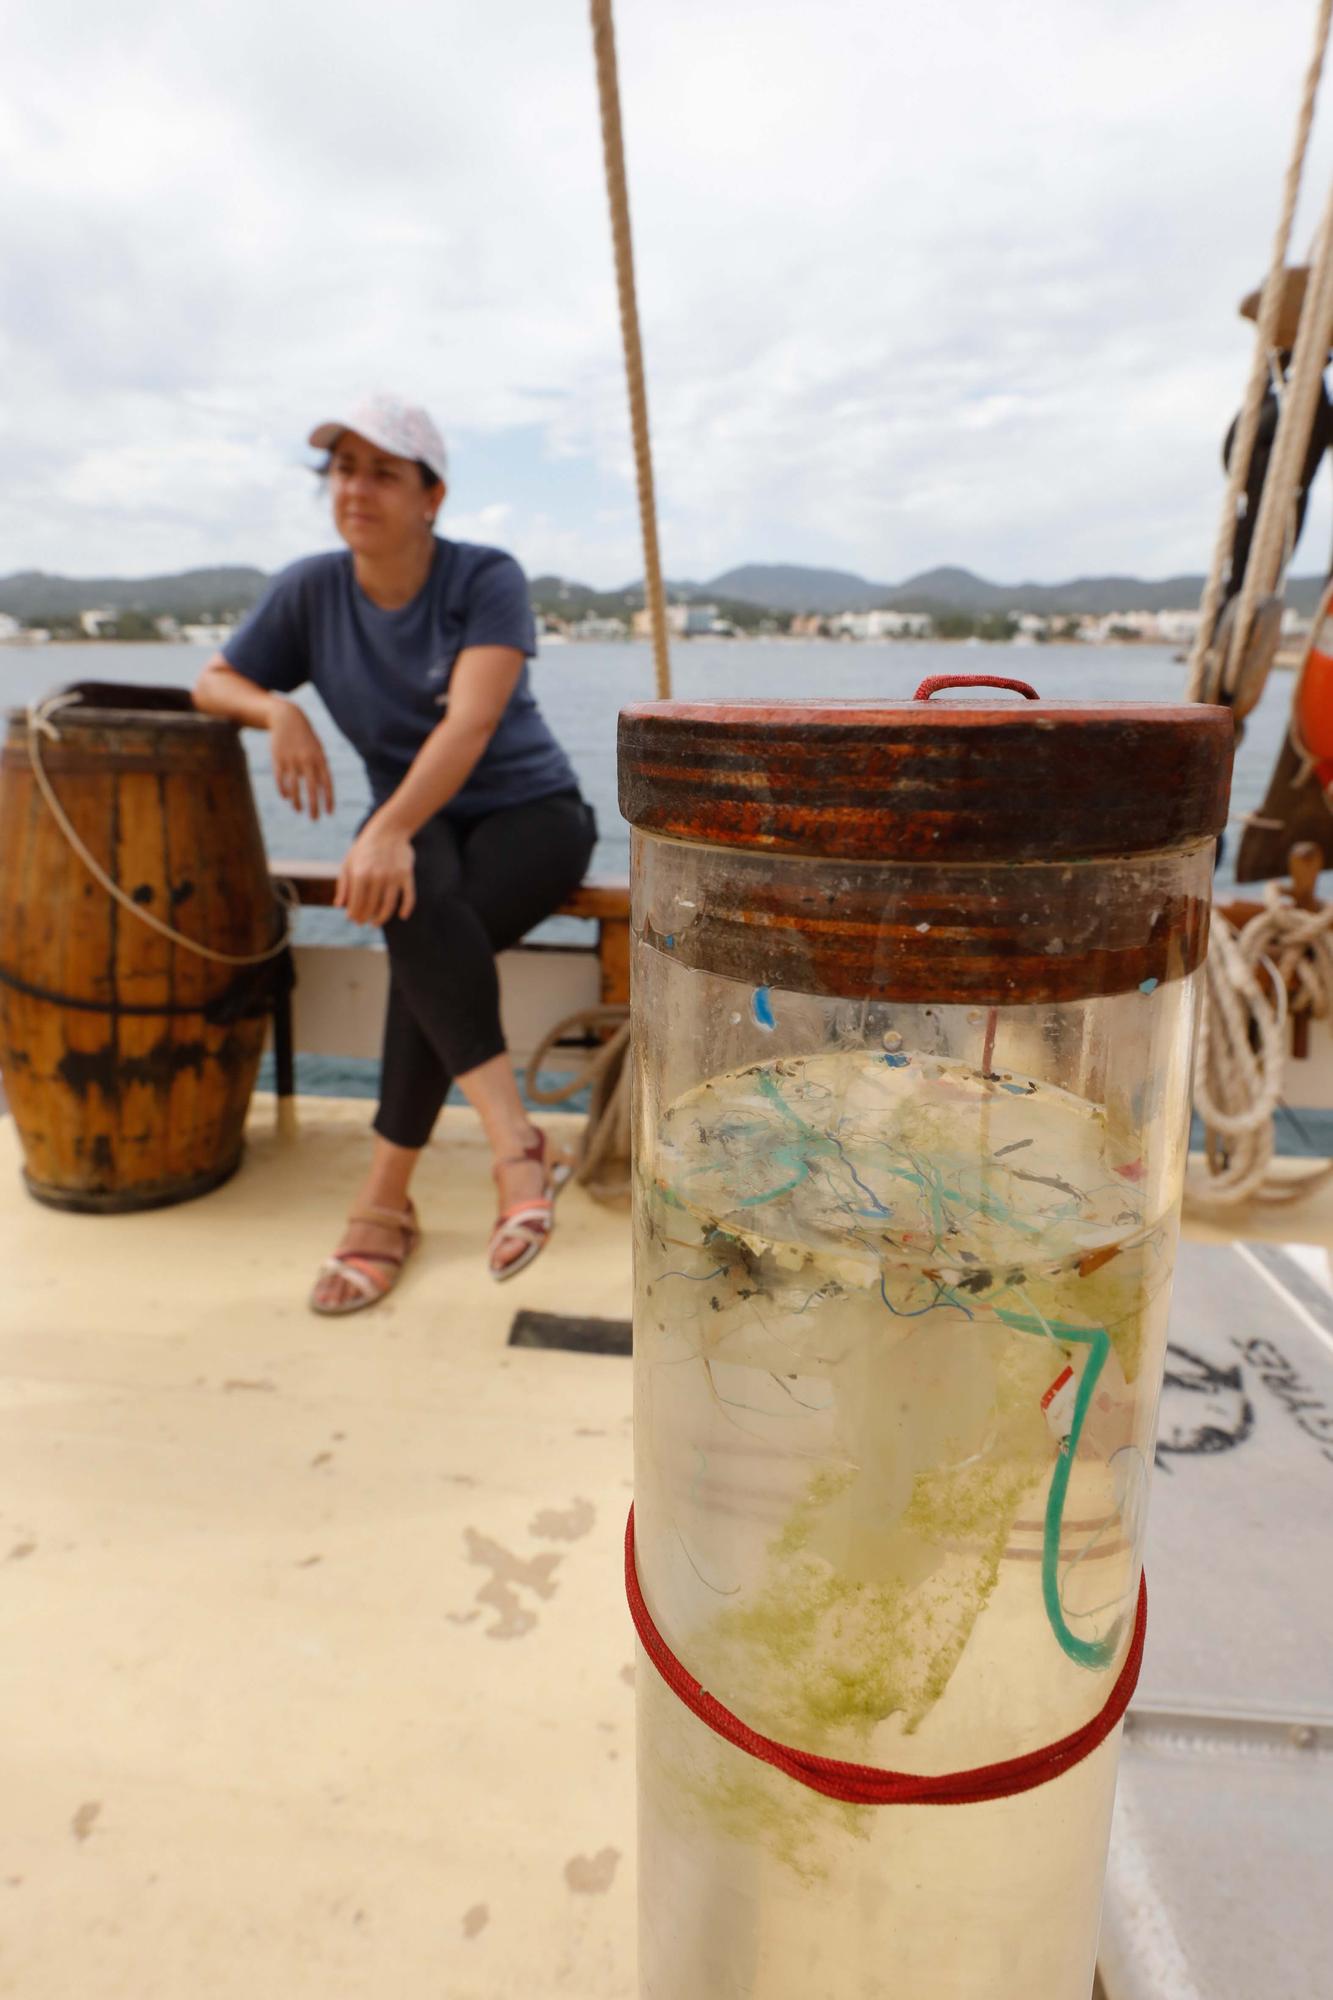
[(298, 755), (377, 874), (220, 690), (483, 679)]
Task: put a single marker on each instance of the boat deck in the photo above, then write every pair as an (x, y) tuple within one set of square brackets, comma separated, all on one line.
[(315, 1669), (315, 1666)]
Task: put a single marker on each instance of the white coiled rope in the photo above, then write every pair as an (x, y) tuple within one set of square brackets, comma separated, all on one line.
[(1238, 1073)]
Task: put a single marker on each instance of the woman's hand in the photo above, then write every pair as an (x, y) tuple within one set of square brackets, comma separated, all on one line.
[(300, 767), (377, 878)]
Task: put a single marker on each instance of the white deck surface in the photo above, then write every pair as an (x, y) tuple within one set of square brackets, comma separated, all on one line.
[(1222, 1843), (314, 1661)]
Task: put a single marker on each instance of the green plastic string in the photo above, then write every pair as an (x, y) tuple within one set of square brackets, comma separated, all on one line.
[(1094, 1653)]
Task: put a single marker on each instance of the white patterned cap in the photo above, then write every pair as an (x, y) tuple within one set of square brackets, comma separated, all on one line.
[(402, 428)]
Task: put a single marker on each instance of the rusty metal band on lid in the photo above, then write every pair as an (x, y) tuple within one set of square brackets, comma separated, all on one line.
[(961, 790)]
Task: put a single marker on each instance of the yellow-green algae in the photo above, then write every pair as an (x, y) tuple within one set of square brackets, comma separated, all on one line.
[(759, 1806), (706, 1785), (824, 1657)]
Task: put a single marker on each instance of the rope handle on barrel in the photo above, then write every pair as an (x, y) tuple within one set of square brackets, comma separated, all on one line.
[(39, 725), (864, 1784), (935, 683), (614, 1020)]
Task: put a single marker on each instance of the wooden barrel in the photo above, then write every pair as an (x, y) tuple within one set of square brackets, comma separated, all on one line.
[(128, 1059)]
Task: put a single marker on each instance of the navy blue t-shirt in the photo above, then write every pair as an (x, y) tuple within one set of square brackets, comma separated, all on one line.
[(384, 675)]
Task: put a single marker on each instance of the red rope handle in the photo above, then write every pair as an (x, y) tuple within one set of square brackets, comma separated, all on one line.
[(936, 682), (863, 1784)]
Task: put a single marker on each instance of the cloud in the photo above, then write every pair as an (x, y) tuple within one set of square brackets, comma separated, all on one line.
[(951, 286)]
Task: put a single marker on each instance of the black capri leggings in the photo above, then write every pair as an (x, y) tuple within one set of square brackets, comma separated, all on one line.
[(481, 885)]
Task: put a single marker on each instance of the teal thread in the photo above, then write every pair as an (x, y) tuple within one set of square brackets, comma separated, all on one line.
[(1097, 1654)]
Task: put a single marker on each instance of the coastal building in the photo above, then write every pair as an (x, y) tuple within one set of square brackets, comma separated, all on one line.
[(592, 627), (9, 627), (95, 624), (207, 635), (1118, 626), (1178, 628), (899, 625), (882, 625), (684, 621)]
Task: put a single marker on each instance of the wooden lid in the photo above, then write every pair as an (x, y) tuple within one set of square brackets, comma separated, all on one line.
[(977, 779)]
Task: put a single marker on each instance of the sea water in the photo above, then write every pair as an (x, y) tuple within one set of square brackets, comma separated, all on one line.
[(581, 688)]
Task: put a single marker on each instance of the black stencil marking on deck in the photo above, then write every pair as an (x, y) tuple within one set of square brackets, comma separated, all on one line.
[(1204, 1407), (577, 1334)]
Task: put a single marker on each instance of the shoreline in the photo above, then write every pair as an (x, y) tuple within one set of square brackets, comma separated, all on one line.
[(698, 639)]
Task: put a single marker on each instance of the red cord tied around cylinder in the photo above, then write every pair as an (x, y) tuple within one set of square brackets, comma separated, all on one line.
[(936, 683), (864, 1784)]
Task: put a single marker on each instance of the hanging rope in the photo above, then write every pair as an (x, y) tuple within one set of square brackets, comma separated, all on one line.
[(1242, 448), (604, 1150), (613, 148), (40, 724), (1242, 1043)]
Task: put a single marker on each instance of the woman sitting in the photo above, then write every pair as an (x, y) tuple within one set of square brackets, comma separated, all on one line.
[(419, 648)]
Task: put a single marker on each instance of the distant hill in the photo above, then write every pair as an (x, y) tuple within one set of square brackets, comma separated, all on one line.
[(790, 587), (960, 590), (193, 594), (206, 594)]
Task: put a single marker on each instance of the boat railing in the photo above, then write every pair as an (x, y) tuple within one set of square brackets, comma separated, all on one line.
[(339, 994)]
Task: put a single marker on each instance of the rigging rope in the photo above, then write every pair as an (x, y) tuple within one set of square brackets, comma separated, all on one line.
[(1242, 1035), (1246, 430), (604, 1150), (1274, 532), (613, 148), (1242, 1043)]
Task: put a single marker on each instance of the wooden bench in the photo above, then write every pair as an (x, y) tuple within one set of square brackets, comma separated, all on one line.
[(604, 902)]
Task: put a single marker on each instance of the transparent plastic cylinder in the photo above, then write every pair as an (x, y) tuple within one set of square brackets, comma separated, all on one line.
[(902, 1277)]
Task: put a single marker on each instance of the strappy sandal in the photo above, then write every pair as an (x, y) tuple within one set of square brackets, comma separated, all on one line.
[(527, 1222), (359, 1265)]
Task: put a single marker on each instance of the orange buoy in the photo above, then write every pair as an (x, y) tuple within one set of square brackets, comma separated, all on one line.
[(1314, 696)]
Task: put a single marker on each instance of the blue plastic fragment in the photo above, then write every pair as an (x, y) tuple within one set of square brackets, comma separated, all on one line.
[(1147, 986), (761, 1006)]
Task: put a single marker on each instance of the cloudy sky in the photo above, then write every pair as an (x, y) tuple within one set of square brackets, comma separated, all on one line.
[(952, 282)]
